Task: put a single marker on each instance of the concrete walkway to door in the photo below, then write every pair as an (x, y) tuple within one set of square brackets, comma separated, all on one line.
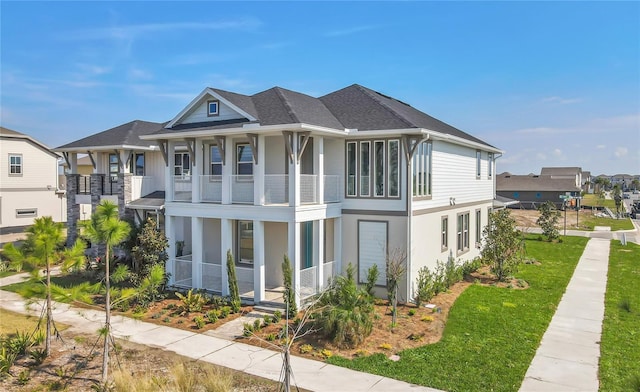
[(567, 359)]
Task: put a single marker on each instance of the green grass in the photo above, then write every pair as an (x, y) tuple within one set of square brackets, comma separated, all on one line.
[(29, 288), (487, 346), (592, 200), (615, 224), (620, 344)]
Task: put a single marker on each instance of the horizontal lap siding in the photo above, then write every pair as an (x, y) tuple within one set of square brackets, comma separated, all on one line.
[(200, 114)]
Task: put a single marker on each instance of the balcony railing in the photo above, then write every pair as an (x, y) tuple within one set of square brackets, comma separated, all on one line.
[(84, 185), (182, 272), (109, 185), (328, 272), (242, 189), (211, 189), (308, 282), (212, 276), (182, 188), (276, 189)]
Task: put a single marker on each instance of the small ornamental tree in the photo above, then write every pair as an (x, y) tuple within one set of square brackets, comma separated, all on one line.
[(372, 278), (289, 293), (548, 220), (396, 267), (503, 244), (234, 292), (150, 249)]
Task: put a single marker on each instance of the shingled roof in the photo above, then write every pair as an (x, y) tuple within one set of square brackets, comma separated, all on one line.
[(534, 183), (7, 133), (353, 107), (122, 135)]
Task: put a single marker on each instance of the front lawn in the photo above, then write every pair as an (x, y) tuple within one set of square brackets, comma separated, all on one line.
[(492, 333), (592, 200), (620, 344), (590, 222)]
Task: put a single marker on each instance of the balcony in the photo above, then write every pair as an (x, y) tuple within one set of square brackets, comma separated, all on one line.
[(142, 186), (242, 189)]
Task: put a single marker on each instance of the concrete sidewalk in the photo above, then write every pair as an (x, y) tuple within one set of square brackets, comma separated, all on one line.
[(567, 359), (308, 374)]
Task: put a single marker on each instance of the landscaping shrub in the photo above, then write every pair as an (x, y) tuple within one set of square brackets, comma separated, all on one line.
[(372, 277), (289, 295), (425, 290), (548, 220), (234, 293), (503, 244), (192, 302)]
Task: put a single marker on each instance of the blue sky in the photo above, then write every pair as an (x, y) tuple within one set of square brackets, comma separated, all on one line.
[(552, 84)]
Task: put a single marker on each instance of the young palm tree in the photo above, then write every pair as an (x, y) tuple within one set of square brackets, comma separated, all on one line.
[(106, 227)]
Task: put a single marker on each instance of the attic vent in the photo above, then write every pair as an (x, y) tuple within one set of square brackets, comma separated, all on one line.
[(507, 176), (536, 176)]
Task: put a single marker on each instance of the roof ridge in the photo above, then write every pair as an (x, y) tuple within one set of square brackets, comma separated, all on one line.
[(286, 103), (367, 91)]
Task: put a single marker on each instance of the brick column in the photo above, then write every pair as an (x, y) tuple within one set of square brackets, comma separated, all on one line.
[(73, 209)]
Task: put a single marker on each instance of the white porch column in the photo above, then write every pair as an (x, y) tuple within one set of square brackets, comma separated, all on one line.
[(294, 175), (258, 175), (318, 169), (73, 162), (294, 256), (226, 243), (100, 162), (318, 255), (197, 170), (227, 172), (197, 228), (258, 261), (168, 173), (337, 244), (170, 230)]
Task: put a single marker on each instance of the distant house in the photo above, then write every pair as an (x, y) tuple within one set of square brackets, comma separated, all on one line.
[(28, 182), (587, 182), (531, 190)]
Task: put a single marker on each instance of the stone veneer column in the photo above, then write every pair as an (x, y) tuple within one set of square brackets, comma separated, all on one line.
[(123, 190), (97, 183), (73, 209)]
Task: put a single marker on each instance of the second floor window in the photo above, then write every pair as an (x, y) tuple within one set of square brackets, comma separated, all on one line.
[(216, 161), (181, 164), (490, 162), (422, 170), (244, 159), (478, 226), (373, 168), (114, 168), (137, 165), (15, 164), (478, 163), (444, 233)]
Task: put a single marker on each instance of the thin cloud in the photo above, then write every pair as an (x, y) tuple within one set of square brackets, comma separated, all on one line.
[(353, 30), (132, 31), (621, 152), (560, 100)]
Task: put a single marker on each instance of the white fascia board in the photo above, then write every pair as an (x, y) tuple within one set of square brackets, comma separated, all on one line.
[(196, 101), (427, 132), (247, 128), (107, 148)]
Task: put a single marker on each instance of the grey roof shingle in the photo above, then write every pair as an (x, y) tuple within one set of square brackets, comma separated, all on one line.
[(534, 183), (125, 134), (11, 134), (560, 171), (361, 108)]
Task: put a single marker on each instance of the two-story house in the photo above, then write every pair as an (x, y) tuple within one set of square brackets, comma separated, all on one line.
[(28, 181), (350, 177)]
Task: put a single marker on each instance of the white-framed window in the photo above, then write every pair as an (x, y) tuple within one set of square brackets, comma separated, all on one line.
[(15, 164), (394, 168), (137, 164), (114, 167), (244, 159), (378, 168), (462, 232), (478, 163), (27, 213), (215, 160), (444, 233), (352, 169), (422, 170), (365, 168), (213, 108), (245, 242), (181, 164), (490, 161)]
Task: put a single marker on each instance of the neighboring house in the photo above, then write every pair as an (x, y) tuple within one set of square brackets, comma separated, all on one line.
[(124, 169), (623, 180), (350, 177), (28, 182), (587, 182), (565, 173), (531, 190)]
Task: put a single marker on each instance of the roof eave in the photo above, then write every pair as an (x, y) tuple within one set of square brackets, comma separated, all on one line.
[(247, 128), (106, 148)]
